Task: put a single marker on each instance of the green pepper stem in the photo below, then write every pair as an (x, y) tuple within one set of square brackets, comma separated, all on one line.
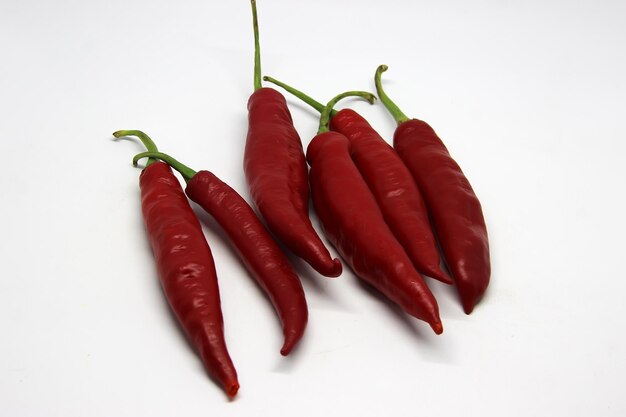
[(390, 105), (184, 170), (299, 94), (325, 118), (145, 139), (257, 48)]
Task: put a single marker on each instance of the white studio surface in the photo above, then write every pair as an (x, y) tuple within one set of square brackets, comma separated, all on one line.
[(529, 97)]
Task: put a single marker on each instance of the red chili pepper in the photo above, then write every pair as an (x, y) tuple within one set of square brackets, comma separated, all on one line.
[(276, 172), (391, 183), (260, 254), (353, 223), (456, 212), (185, 265)]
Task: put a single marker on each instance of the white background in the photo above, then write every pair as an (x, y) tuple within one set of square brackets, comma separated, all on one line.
[(529, 96)]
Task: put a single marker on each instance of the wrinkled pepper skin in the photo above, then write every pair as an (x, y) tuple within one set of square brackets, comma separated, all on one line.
[(186, 269), (260, 254), (355, 225), (395, 191), (454, 208), (276, 173)]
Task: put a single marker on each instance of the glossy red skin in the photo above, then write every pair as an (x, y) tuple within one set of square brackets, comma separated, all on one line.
[(186, 269), (395, 191), (260, 254), (456, 212), (355, 225), (276, 173)]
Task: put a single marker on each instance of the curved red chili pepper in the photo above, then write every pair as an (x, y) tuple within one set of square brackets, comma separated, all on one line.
[(260, 254), (456, 211), (276, 173), (185, 266), (391, 183), (353, 222)]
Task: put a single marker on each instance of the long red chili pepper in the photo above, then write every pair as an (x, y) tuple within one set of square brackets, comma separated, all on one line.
[(391, 183), (353, 223), (261, 255), (456, 212), (276, 172), (185, 265)]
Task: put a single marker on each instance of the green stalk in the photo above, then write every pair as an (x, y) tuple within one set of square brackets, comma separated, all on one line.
[(390, 105), (257, 48), (145, 139), (184, 170), (299, 94), (325, 118)]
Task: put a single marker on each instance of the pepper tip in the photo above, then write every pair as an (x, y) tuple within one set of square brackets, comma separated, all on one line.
[(287, 346), (443, 277), (446, 280), (437, 327), (292, 337), (335, 270), (232, 389), (468, 308), (469, 301)]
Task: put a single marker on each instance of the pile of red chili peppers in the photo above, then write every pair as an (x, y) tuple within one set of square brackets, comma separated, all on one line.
[(393, 213)]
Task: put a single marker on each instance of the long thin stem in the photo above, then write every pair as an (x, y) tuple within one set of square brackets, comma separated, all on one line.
[(145, 139), (302, 96), (390, 105), (184, 170), (325, 118), (257, 48)]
